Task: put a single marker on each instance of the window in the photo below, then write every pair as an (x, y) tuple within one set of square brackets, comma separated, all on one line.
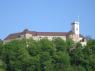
[(19, 36), (77, 29)]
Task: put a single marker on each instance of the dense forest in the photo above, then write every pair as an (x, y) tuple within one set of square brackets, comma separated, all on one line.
[(46, 55)]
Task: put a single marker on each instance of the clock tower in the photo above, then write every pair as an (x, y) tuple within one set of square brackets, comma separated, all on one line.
[(75, 30)]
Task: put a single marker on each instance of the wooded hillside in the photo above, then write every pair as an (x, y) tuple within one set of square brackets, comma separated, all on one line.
[(46, 55)]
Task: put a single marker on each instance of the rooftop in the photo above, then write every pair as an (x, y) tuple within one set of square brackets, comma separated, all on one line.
[(34, 33)]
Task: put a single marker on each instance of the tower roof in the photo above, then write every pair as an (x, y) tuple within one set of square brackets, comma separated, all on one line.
[(75, 22)]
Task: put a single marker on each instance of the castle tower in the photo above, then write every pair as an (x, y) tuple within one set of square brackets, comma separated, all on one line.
[(75, 27), (75, 30)]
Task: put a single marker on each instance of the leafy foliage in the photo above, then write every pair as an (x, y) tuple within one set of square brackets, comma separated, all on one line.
[(46, 55)]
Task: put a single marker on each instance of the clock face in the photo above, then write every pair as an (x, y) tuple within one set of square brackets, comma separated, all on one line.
[(76, 29)]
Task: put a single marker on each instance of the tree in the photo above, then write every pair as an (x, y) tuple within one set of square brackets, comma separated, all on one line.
[(59, 44), (16, 57), (2, 67), (47, 55)]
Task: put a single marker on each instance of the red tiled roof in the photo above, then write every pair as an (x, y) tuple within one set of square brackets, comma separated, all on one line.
[(51, 33), (34, 33), (12, 36)]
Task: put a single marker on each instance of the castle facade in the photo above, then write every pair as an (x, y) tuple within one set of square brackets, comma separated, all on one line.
[(74, 34)]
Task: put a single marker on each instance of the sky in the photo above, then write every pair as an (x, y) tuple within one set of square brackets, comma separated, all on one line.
[(46, 16)]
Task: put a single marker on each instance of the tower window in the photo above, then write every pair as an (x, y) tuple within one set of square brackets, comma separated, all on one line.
[(19, 36), (77, 29)]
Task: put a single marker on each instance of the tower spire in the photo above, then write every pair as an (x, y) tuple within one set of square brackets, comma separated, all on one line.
[(77, 19)]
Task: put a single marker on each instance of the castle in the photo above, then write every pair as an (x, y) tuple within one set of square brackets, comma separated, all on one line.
[(74, 34)]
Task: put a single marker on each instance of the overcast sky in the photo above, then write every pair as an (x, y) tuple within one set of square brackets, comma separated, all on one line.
[(46, 15)]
